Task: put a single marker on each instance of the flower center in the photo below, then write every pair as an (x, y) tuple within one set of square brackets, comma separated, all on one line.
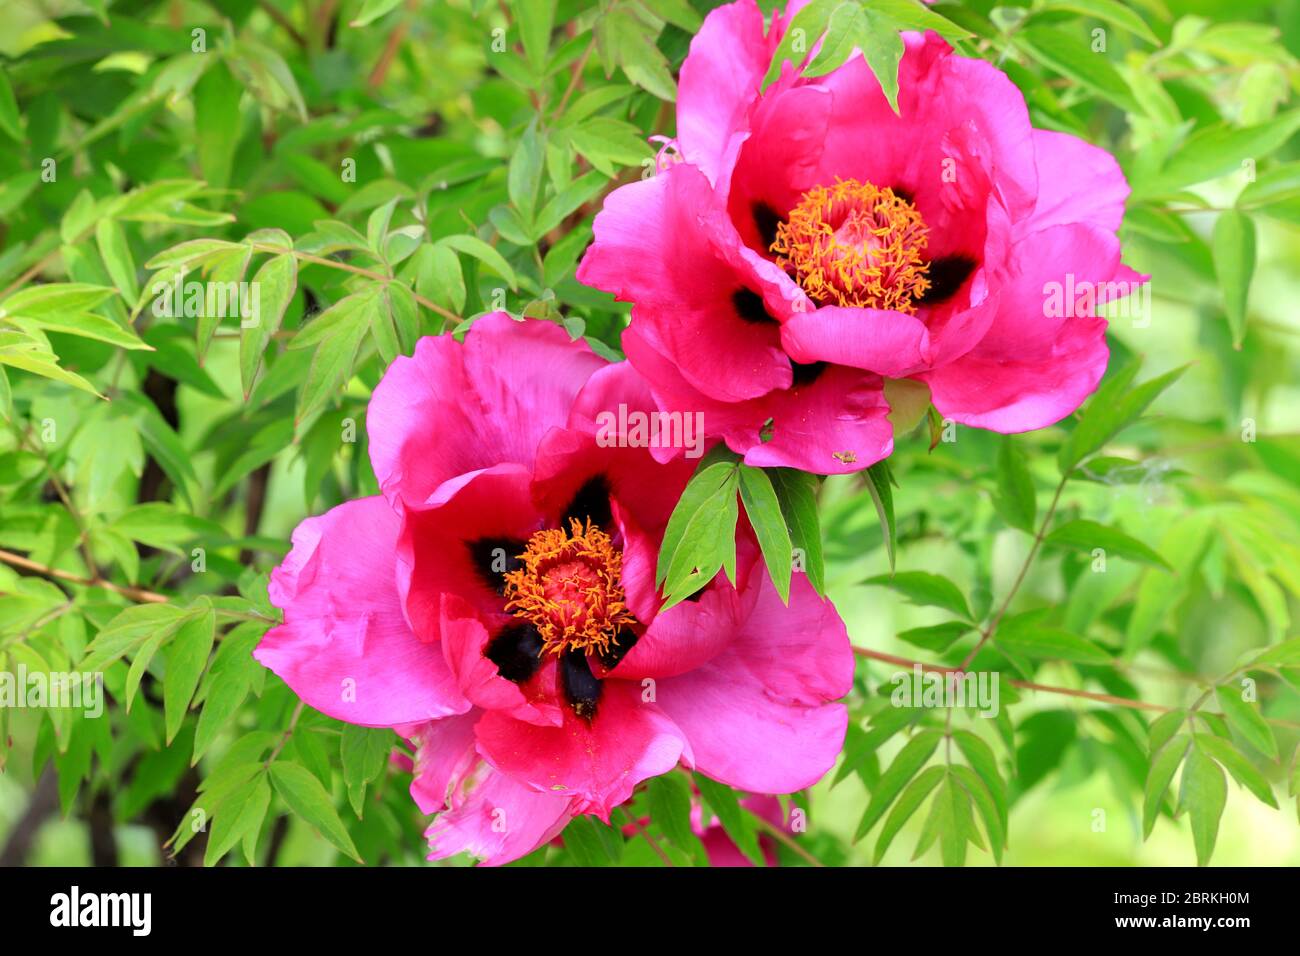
[(855, 244), (570, 588)]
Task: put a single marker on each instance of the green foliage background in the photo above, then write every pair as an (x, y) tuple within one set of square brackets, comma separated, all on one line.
[(482, 138)]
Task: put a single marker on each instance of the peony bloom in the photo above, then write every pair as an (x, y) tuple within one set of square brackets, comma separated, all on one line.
[(811, 244), (496, 605)]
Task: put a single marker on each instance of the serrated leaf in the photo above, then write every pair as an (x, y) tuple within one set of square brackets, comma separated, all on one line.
[(764, 512), (797, 493), (1163, 765), (1015, 498), (1086, 536), (1204, 794), (187, 656), (1245, 718), (1242, 770), (903, 768), (924, 588), (1234, 264), (309, 800)]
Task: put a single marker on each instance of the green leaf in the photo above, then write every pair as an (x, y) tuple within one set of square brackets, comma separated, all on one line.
[(130, 629), (1220, 149), (364, 753), (921, 587), (1242, 770), (797, 493), (700, 537), (844, 33), (372, 10), (764, 511), (879, 480), (536, 17), (1086, 536), (1069, 54), (524, 180), (240, 812), (1015, 499), (1204, 794), (1234, 264), (85, 325), (979, 794), (735, 821), (1286, 654), (1245, 718), (669, 797), (116, 253), (217, 123), (1024, 636), (903, 768), (908, 801), (480, 250), (1163, 765), (276, 281), (936, 637), (187, 656), (1111, 409), (808, 24), (591, 842), (308, 799), (10, 119), (1108, 11)]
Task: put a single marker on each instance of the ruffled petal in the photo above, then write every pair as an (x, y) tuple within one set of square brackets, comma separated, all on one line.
[(345, 647), (661, 243), (1039, 360), (759, 715), (719, 81), (444, 755), (453, 408), (1093, 191), (497, 819), (597, 763), (833, 421)]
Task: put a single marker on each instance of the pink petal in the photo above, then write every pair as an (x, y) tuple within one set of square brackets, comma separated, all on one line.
[(1094, 190), (656, 245), (345, 647), (434, 550), (1034, 368), (719, 80), (453, 408), (497, 819), (596, 763), (465, 640), (892, 344), (759, 716), (444, 755)]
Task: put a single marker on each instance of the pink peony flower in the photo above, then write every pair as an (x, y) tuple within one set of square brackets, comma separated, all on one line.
[(810, 243), (496, 605)]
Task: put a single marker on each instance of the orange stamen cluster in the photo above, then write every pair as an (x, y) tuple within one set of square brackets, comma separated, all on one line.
[(570, 588), (855, 244)]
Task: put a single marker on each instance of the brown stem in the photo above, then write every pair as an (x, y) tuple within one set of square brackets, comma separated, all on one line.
[(1020, 578), (138, 595)]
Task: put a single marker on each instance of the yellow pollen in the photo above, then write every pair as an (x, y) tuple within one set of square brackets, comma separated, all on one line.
[(855, 244), (570, 588)]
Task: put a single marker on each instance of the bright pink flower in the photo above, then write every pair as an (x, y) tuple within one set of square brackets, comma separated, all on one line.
[(496, 604), (811, 242)]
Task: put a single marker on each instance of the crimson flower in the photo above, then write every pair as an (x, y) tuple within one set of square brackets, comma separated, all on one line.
[(496, 604), (812, 244)]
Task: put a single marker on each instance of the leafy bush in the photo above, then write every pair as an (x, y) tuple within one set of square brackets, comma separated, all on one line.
[(378, 171)]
